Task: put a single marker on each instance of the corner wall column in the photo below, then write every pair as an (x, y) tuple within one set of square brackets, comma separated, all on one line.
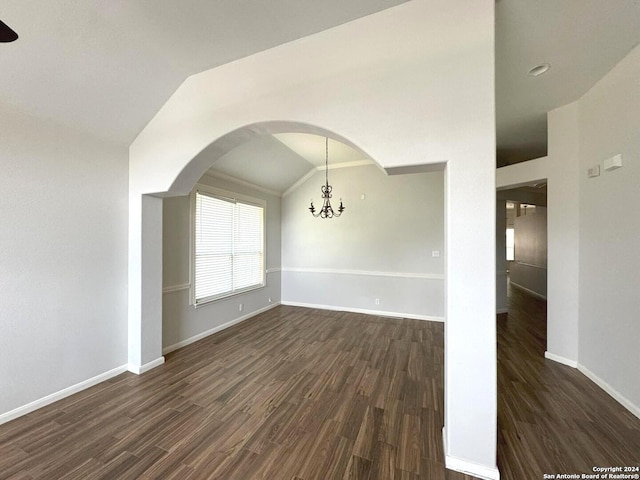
[(145, 283), (470, 431), (563, 235)]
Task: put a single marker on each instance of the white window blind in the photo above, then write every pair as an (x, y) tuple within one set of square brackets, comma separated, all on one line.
[(228, 246)]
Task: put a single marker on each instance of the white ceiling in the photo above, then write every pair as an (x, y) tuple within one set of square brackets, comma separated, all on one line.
[(581, 39), (107, 67), (313, 149), (276, 162)]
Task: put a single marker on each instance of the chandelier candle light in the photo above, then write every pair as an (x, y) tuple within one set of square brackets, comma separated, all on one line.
[(326, 211)]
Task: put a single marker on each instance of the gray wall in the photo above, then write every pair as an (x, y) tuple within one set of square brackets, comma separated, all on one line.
[(609, 124), (380, 248), (63, 258), (181, 321), (529, 270)]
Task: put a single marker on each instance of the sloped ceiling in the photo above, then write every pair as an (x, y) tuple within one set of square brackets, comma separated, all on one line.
[(106, 67), (277, 162)]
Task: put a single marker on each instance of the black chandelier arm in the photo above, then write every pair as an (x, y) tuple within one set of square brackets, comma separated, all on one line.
[(327, 210)]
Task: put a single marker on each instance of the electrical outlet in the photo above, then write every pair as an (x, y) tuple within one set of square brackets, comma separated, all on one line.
[(240, 307), (377, 301), (435, 253)]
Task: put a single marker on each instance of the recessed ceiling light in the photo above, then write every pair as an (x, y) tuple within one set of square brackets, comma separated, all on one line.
[(539, 69)]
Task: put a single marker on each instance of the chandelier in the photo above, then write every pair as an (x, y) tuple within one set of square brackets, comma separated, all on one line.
[(326, 211)]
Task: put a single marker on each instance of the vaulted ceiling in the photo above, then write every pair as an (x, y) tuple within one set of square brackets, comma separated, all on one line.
[(106, 68)]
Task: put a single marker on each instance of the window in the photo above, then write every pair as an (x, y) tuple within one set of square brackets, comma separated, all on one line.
[(510, 245), (227, 244)]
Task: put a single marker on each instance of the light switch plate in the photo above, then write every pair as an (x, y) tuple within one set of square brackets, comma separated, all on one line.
[(613, 162)]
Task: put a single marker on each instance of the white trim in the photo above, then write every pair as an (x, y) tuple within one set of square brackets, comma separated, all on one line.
[(371, 273), (467, 467), (140, 369), (176, 288), (527, 290), (354, 163), (381, 313), (213, 330), (299, 182), (617, 396), (244, 183), (516, 262), (321, 168), (59, 395), (409, 169), (273, 270), (562, 360), (502, 310)]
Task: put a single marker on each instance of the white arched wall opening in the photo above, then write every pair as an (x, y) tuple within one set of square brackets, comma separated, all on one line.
[(413, 87)]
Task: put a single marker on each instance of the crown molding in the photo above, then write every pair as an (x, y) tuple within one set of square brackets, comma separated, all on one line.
[(231, 178), (321, 168)]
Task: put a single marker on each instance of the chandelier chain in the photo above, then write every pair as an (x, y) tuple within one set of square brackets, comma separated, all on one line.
[(326, 211)]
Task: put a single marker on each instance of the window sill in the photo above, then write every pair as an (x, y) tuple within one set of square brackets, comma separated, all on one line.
[(219, 298)]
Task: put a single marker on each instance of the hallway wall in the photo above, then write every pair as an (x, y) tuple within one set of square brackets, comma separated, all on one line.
[(529, 269), (609, 124)]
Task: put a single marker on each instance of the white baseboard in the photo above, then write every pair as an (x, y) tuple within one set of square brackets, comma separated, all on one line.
[(467, 467), (140, 369), (502, 310), (213, 330), (366, 273), (621, 399), (529, 291), (381, 313), (562, 360), (59, 395)]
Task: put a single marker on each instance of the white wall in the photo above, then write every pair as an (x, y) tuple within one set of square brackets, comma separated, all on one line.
[(181, 321), (63, 259), (380, 248), (562, 234), (529, 269), (609, 124)]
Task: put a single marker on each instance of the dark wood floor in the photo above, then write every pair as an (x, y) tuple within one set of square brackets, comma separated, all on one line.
[(307, 394), (292, 394), (551, 418)]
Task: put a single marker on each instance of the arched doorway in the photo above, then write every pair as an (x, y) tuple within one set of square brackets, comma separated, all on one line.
[(394, 95)]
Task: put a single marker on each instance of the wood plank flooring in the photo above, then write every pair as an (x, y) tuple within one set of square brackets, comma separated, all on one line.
[(294, 394), (302, 394), (551, 418)]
